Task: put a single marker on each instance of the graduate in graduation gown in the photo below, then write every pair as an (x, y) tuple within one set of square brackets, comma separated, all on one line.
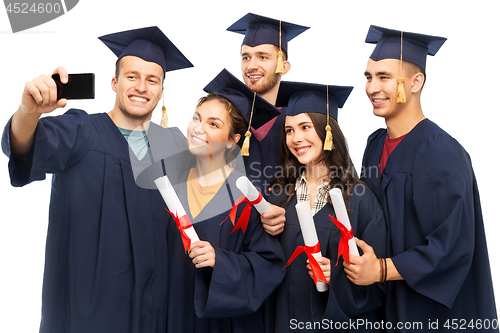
[(429, 194), (221, 285), (298, 305), (106, 248), (264, 53)]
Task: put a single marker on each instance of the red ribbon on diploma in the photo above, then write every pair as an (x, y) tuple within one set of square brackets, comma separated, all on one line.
[(309, 250), (245, 214), (344, 240), (182, 224)]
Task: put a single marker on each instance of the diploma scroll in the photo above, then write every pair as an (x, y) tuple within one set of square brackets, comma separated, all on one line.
[(342, 217), (252, 194), (177, 210), (308, 229)]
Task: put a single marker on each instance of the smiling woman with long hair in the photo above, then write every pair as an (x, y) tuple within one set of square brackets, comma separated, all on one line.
[(220, 285), (310, 170)]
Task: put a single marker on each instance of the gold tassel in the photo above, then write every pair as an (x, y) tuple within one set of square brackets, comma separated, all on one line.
[(328, 139), (246, 144), (328, 145), (280, 68), (401, 96), (164, 117), (401, 91)]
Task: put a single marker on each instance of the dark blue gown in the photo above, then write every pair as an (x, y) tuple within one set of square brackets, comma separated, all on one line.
[(430, 198), (297, 300), (106, 251), (248, 268), (263, 164)]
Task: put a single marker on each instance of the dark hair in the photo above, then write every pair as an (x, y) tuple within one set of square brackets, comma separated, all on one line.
[(285, 53), (412, 69), (117, 70), (238, 123), (342, 172)]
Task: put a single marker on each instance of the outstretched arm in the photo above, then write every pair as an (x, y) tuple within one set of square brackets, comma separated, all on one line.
[(39, 96)]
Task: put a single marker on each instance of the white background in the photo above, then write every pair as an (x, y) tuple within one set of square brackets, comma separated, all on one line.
[(460, 93)]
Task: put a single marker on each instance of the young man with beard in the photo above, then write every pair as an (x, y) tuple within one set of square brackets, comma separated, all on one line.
[(106, 258), (438, 271), (264, 53)]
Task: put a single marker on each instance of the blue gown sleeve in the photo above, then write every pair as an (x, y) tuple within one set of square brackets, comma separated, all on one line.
[(60, 142), (444, 207), (240, 281)]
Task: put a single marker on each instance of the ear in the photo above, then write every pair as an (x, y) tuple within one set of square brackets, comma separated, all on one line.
[(286, 66), (417, 82), (236, 138), (114, 82)]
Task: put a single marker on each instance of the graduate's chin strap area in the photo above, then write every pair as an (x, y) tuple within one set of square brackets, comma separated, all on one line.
[(368, 269)]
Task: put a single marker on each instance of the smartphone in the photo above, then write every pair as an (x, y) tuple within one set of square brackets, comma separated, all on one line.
[(79, 86)]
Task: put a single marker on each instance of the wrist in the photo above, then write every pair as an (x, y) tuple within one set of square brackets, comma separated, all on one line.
[(383, 270), (392, 271)]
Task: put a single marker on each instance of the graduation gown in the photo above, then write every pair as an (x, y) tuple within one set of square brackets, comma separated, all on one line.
[(430, 198), (263, 164), (248, 267), (297, 302), (106, 252)]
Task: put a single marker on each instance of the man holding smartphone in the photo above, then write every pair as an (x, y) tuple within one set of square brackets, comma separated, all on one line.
[(106, 255)]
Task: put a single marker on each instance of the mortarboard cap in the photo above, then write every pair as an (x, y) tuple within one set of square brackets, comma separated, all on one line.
[(256, 110), (301, 97), (229, 86), (260, 30), (415, 46), (407, 46), (264, 30), (149, 44)]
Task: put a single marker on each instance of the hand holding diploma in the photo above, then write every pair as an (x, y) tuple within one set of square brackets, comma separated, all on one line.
[(347, 245), (184, 225), (202, 253), (312, 247)]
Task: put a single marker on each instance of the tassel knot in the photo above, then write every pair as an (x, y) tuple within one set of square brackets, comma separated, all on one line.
[(328, 145), (280, 68), (246, 144), (401, 91), (164, 117)]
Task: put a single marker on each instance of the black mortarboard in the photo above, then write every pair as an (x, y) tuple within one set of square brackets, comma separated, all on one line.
[(264, 30), (407, 46), (260, 30), (237, 92), (301, 97), (256, 110), (149, 44), (415, 46)]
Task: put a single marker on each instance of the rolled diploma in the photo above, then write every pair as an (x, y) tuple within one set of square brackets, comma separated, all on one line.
[(308, 229), (174, 204), (251, 193), (341, 212)]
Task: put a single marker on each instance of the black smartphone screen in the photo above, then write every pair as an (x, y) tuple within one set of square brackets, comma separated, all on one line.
[(79, 86)]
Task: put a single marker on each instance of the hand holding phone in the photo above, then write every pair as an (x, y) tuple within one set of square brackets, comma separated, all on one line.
[(79, 86)]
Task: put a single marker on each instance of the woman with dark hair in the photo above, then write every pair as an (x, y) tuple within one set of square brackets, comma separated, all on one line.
[(220, 285), (316, 159)]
